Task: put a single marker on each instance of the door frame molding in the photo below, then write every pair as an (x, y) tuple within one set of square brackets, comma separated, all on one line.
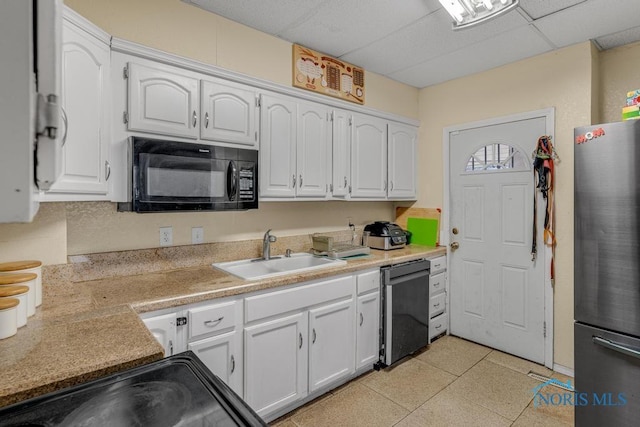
[(549, 115)]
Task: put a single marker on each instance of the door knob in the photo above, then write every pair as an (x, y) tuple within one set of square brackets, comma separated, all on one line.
[(454, 245)]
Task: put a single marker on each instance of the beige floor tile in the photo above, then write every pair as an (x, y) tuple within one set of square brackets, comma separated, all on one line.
[(517, 364), (533, 418), (356, 405), (563, 413), (410, 383), (450, 409), (453, 354), (497, 388)]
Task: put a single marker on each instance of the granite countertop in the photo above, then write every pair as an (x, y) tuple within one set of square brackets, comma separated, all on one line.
[(90, 329)]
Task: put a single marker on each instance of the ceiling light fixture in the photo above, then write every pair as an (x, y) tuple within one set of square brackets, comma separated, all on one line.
[(467, 13)]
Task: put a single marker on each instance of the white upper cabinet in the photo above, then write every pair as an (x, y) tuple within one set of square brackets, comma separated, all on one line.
[(228, 113), (163, 100), (278, 177), (402, 161), (312, 125), (368, 157), (341, 159), (85, 99)]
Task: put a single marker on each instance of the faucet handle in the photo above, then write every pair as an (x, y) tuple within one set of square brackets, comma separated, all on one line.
[(272, 238)]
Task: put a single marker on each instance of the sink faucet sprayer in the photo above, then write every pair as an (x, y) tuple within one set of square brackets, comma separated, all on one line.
[(266, 245)]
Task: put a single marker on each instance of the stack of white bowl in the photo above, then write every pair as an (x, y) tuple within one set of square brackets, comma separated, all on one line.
[(20, 294)]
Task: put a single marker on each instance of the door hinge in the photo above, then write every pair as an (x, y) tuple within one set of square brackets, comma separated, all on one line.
[(125, 72), (181, 321), (125, 117), (47, 116), (544, 329)]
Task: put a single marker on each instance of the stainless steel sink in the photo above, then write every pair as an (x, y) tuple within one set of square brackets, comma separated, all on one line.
[(252, 269)]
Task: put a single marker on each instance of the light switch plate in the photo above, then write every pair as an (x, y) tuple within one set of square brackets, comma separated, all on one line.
[(197, 235)]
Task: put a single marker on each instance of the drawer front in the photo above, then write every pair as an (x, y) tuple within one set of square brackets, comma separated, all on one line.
[(438, 325), (436, 305), (212, 318), (280, 302), (436, 283), (369, 281), (438, 264)]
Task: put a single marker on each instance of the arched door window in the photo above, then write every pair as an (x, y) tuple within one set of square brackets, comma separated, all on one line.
[(497, 157)]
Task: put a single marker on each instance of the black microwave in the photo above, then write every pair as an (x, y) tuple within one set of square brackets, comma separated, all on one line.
[(169, 176)]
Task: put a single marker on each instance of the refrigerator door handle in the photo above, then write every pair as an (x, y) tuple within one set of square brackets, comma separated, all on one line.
[(616, 347)]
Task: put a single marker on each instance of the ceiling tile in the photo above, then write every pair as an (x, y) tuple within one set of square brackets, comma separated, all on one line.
[(342, 26), (589, 20), (539, 8), (426, 39), (267, 16), (619, 39), (508, 47)]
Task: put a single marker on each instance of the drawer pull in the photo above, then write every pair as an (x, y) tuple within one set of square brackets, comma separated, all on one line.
[(213, 323), (436, 305), (436, 285), (439, 326)]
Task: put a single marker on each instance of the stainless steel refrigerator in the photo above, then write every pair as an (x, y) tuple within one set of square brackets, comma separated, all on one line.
[(607, 274)]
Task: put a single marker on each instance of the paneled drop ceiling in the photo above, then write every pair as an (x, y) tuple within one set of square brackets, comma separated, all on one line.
[(411, 41)]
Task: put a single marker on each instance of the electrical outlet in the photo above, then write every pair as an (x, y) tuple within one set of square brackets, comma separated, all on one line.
[(166, 236), (197, 235)]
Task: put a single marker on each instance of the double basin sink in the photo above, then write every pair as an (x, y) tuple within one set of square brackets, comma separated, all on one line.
[(254, 269)]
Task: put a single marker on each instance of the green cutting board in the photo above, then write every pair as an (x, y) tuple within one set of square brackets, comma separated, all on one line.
[(424, 231)]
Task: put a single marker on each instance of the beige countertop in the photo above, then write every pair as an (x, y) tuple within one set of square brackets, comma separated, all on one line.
[(87, 330)]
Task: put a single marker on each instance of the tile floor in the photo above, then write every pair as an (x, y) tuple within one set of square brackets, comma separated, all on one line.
[(452, 383)]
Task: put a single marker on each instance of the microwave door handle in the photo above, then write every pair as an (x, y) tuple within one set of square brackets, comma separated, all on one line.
[(232, 180)]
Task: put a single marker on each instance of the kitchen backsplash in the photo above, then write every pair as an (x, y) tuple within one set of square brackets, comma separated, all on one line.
[(95, 266)]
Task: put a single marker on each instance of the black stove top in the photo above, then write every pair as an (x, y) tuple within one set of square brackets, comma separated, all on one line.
[(176, 391)]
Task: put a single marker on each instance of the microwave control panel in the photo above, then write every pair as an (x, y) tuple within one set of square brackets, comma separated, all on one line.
[(247, 180)]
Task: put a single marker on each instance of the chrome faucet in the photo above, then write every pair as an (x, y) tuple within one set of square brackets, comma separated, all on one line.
[(266, 245)]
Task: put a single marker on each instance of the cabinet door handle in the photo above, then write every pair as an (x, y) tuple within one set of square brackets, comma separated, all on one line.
[(66, 126), (391, 186), (361, 319), (300, 181), (314, 336), (195, 118), (300, 334), (385, 186), (170, 348), (206, 120), (233, 363), (294, 181), (345, 182), (107, 170), (214, 322)]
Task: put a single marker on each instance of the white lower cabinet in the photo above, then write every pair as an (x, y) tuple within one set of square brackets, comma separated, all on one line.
[(163, 328), (222, 354), (276, 357), (332, 349), (368, 319)]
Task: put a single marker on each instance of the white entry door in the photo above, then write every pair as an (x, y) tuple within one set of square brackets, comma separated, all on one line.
[(497, 291)]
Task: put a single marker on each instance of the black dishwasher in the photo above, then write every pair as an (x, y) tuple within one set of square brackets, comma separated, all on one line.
[(405, 317), (176, 391)]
